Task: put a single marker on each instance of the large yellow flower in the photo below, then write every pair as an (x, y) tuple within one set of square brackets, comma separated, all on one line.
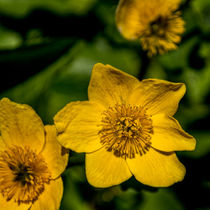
[(157, 23), (31, 160), (126, 128)]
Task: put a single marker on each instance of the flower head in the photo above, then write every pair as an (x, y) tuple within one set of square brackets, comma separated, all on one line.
[(157, 24), (126, 128), (31, 160)]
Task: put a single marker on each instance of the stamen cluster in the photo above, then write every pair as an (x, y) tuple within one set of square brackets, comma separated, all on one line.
[(126, 130), (162, 34), (23, 174)]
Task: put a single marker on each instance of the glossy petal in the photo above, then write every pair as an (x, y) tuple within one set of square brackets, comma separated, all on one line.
[(80, 133), (51, 197), (20, 125), (157, 169), (2, 144), (109, 85), (10, 205), (169, 136), (158, 96), (54, 154), (103, 169), (65, 116)]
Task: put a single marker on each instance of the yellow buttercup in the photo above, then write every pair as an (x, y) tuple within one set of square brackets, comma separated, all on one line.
[(156, 23), (126, 128), (31, 160)]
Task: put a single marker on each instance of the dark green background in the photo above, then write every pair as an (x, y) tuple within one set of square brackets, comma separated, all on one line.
[(47, 51)]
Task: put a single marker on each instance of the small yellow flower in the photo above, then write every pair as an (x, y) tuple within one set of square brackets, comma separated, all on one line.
[(126, 128), (157, 23), (31, 160)]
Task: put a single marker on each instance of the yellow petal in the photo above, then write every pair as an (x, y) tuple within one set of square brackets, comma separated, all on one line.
[(127, 18), (54, 154), (109, 85), (20, 125), (2, 144), (157, 169), (51, 197), (158, 96), (10, 205), (104, 169), (80, 132), (169, 136), (65, 116)]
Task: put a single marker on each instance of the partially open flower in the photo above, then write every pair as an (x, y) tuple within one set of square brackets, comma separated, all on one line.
[(126, 128), (31, 160), (157, 24)]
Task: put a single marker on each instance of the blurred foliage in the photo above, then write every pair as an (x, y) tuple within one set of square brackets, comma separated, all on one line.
[(47, 50), (9, 39), (21, 8)]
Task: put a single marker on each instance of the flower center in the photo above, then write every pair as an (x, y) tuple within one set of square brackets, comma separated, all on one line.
[(162, 34), (126, 130), (23, 174), (159, 27)]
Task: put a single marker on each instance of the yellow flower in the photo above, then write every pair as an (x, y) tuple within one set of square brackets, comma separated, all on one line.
[(157, 23), (126, 128), (31, 160)]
